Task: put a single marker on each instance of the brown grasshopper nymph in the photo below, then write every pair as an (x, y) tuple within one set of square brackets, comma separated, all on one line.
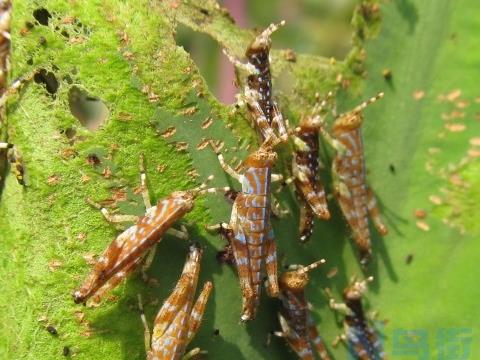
[(358, 334), (129, 249), (249, 231), (297, 324), (306, 171), (258, 90), (180, 317), (354, 195)]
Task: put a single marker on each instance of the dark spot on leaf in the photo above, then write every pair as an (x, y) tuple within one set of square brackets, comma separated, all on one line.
[(65, 33), (409, 259), (42, 16), (391, 167), (30, 61), (93, 159), (48, 79), (52, 330), (204, 11), (66, 351), (70, 133), (42, 40), (88, 109), (216, 332), (29, 25), (68, 79)]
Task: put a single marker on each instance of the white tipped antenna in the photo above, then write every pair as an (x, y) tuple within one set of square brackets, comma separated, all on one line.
[(312, 266), (363, 105)]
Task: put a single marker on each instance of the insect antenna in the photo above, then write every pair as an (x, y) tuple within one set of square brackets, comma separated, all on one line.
[(202, 189), (264, 38), (320, 106), (363, 105), (310, 267), (203, 186)]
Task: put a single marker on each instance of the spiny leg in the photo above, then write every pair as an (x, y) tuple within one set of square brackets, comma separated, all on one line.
[(334, 143), (264, 126), (114, 280), (286, 330), (193, 353), (305, 226), (223, 164), (317, 340), (338, 338), (173, 304), (143, 183), (279, 123), (277, 209), (146, 332), (14, 88), (248, 67), (271, 264), (242, 262), (112, 218), (275, 206), (375, 213), (181, 234), (341, 307), (101, 271), (198, 310)]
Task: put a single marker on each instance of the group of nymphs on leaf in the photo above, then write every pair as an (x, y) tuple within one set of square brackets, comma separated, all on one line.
[(251, 243)]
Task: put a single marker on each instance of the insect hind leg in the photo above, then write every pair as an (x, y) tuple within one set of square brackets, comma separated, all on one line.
[(112, 218), (374, 212)]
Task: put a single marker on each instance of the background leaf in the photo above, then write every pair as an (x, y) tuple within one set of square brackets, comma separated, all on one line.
[(125, 54)]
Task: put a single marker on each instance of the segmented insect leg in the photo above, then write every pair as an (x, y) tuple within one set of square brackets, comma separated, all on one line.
[(375, 213), (334, 143), (116, 279), (192, 354), (271, 264), (143, 183), (316, 200), (279, 123), (147, 336), (265, 128), (198, 310), (183, 291), (107, 261), (376, 342), (248, 67), (277, 209), (224, 165), (275, 206), (342, 307), (317, 340), (112, 218), (338, 338), (297, 343), (240, 252), (173, 304), (306, 219)]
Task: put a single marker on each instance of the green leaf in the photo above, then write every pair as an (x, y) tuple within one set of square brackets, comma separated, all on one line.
[(124, 54)]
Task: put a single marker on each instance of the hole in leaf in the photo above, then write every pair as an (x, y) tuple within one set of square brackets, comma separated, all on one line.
[(42, 15), (48, 79), (214, 67), (89, 110)]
